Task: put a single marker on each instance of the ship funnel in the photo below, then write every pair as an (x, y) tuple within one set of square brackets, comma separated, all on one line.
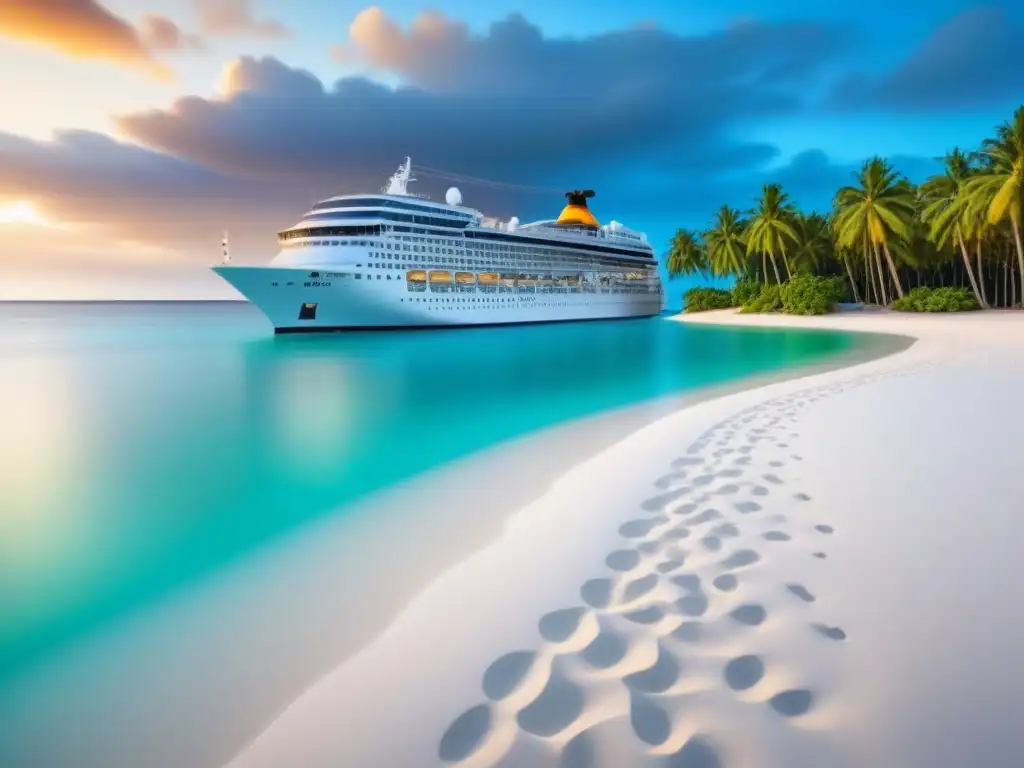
[(576, 213)]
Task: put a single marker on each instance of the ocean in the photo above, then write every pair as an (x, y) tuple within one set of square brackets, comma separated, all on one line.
[(145, 446)]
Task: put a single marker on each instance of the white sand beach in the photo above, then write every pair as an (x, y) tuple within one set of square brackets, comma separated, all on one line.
[(822, 571)]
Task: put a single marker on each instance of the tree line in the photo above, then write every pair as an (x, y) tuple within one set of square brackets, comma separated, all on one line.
[(884, 235)]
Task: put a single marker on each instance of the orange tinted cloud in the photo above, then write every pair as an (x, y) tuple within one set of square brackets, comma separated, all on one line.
[(162, 34), (82, 28), (235, 17)]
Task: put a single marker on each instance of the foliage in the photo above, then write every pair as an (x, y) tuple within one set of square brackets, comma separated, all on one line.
[(962, 228), (811, 295), (687, 255), (948, 299), (768, 300), (744, 291), (726, 243), (702, 299)]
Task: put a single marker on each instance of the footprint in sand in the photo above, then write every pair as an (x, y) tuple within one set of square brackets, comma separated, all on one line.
[(801, 592), (677, 534), (792, 703), (684, 509), (707, 516), (637, 529), (686, 461), (740, 559), (652, 614), (772, 479), (649, 547), (659, 502), (637, 588), (746, 507), (801, 497), (558, 626), (623, 560), (776, 536), (605, 650), (824, 529), (727, 582), (819, 555), (505, 674), (555, 709), (666, 481), (688, 632), (657, 678), (743, 672), (832, 633), (759, 490), (728, 490), (693, 605), (751, 614), (670, 565), (712, 543), (730, 473), (596, 593), (465, 734), (650, 722)]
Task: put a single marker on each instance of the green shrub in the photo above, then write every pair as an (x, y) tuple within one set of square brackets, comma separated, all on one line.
[(811, 295), (950, 299), (768, 300), (745, 291), (701, 299)]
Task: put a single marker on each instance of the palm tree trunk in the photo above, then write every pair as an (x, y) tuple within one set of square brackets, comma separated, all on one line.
[(1020, 248), (881, 277), (785, 263), (764, 267), (775, 268), (892, 268), (1005, 281), (853, 283), (869, 277), (981, 272), (967, 263)]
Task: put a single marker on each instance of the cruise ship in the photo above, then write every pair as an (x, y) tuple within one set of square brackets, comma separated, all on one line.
[(397, 260)]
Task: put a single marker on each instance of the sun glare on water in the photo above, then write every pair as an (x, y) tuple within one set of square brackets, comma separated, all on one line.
[(21, 212)]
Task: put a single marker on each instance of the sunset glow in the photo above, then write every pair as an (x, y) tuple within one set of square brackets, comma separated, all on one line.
[(22, 212)]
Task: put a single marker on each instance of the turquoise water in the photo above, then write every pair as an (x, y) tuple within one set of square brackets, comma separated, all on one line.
[(146, 445)]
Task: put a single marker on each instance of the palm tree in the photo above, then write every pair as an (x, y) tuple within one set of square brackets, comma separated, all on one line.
[(881, 206), (946, 210), (999, 187), (771, 227), (813, 243), (726, 243), (686, 255)]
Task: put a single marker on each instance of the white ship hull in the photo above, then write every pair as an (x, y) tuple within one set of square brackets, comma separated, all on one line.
[(294, 301)]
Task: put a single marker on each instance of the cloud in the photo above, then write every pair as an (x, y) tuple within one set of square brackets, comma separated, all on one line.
[(161, 34), (103, 188), (510, 104), (970, 61), (81, 28), (236, 17)]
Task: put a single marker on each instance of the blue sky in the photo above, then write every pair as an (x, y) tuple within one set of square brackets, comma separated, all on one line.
[(116, 179)]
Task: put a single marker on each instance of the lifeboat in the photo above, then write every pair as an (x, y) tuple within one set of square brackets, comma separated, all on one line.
[(487, 278), (416, 276), (440, 276), (465, 278)]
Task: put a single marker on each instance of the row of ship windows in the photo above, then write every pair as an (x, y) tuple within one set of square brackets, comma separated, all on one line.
[(526, 286), (479, 240), (484, 254)]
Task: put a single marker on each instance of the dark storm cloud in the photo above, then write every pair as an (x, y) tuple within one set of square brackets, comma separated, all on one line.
[(973, 60)]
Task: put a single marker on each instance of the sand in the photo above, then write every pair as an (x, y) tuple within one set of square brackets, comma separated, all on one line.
[(823, 571), (192, 679)]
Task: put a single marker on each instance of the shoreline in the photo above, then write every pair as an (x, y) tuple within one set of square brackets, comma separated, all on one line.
[(788, 690), (454, 594), (273, 598)]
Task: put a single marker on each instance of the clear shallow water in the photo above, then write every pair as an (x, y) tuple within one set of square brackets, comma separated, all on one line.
[(145, 445)]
